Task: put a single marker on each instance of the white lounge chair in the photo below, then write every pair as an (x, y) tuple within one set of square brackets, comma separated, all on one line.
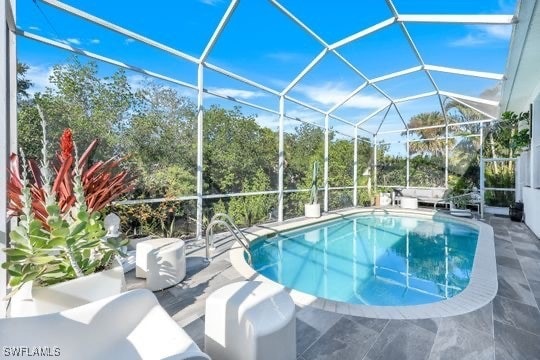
[(471, 198), (131, 325), (459, 212)]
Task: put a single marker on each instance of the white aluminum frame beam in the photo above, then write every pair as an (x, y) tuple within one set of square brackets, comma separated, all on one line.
[(409, 39), (8, 127), (118, 29), (472, 107), (414, 97), (281, 157), (408, 165), (384, 119), (397, 74), (400, 116), (443, 69), (326, 160), (440, 126), (362, 33), (240, 101), (241, 78), (457, 19), (439, 138), (200, 141), (479, 74), (355, 167), (335, 117), (298, 22), (105, 59), (373, 114), (303, 73), (347, 98), (470, 98), (219, 29)]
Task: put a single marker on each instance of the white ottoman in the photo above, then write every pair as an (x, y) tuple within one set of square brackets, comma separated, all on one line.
[(161, 261), (409, 202), (250, 320)]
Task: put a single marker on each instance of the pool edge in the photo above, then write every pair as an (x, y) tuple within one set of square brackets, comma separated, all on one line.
[(482, 287)]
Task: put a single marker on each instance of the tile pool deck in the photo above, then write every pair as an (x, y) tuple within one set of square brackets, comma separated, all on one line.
[(507, 328)]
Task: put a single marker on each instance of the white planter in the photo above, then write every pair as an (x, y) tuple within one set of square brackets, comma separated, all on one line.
[(30, 300), (312, 210)]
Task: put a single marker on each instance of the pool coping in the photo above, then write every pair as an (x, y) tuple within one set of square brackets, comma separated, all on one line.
[(482, 287)]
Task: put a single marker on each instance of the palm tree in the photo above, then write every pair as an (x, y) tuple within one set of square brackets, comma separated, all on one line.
[(434, 147), (462, 113)]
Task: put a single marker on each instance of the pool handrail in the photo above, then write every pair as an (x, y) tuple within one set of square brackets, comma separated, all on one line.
[(233, 229)]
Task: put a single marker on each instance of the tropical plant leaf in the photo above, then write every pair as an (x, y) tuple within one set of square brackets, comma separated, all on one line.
[(40, 260)]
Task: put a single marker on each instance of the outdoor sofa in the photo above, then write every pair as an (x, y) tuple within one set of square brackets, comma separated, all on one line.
[(424, 195)]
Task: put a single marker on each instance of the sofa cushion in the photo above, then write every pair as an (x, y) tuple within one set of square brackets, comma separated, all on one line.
[(408, 192), (424, 193)]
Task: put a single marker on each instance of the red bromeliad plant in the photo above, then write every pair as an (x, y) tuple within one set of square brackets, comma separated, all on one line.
[(102, 182)]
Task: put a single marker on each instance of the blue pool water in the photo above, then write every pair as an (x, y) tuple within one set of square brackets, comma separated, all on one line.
[(373, 260)]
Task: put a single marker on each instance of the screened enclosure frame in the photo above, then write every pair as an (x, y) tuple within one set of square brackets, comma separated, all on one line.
[(359, 133)]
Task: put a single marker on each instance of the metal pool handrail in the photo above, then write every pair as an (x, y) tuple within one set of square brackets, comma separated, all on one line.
[(450, 198), (233, 229)]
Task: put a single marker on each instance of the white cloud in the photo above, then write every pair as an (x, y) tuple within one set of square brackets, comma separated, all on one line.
[(74, 41), (39, 76), (237, 93), (268, 120), (330, 94), (502, 32), (35, 28), (137, 81), (304, 115), (211, 2), (129, 41), (507, 6), (484, 34), (286, 57), (95, 41), (468, 40)]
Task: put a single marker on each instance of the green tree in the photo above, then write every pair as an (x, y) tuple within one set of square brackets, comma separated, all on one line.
[(92, 106), (248, 210), (236, 148), (28, 122), (23, 84), (302, 148), (162, 130)]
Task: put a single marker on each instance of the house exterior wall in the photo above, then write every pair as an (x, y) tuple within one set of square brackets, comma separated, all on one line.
[(531, 193)]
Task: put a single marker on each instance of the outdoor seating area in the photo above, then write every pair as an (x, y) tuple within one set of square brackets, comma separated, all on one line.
[(507, 327), (270, 179), (426, 196)]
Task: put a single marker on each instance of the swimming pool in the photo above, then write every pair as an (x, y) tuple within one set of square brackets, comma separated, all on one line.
[(372, 259), (354, 262)]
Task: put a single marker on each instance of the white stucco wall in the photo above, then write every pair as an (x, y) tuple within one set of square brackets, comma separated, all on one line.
[(531, 203), (531, 195)]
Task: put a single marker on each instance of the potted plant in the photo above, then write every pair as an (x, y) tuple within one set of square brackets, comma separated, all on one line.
[(313, 209), (59, 255)]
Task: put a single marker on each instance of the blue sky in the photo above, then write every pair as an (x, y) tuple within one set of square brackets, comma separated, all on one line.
[(262, 44)]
